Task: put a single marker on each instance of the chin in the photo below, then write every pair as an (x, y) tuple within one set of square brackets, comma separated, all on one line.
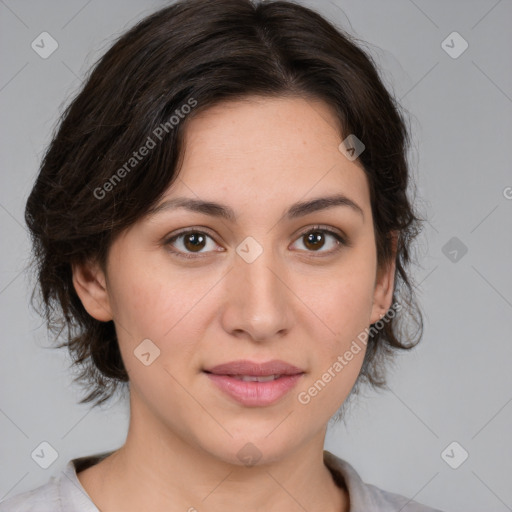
[(253, 447)]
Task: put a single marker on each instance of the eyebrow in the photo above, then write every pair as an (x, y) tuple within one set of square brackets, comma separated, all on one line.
[(296, 210)]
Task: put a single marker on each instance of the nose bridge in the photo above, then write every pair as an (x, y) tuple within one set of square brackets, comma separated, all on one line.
[(258, 300)]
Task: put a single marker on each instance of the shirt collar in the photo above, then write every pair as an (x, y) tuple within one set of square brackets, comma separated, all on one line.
[(345, 476)]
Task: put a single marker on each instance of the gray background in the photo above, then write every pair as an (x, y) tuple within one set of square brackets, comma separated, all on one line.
[(456, 386)]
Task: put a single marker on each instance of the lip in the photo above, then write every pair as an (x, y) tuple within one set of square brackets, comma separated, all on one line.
[(255, 394), (245, 367)]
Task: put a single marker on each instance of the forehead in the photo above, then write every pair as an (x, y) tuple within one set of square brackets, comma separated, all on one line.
[(261, 148), (257, 127)]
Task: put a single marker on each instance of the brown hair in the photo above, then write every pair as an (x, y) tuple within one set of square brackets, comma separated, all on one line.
[(205, 51)]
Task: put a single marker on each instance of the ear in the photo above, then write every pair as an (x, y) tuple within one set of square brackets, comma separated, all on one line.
[(384, 284), (90, 284)]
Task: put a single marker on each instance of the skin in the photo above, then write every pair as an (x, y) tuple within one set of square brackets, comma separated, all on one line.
[(298, 302)]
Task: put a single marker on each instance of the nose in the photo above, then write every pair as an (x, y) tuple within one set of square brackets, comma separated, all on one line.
[(258, 303)]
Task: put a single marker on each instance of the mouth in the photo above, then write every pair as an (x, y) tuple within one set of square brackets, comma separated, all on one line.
[(255, 384), (254, 378)]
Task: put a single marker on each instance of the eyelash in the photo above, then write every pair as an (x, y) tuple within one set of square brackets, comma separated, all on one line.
[(315, 229)]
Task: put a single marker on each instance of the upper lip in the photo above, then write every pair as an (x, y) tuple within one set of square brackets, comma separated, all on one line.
[(245, 367)]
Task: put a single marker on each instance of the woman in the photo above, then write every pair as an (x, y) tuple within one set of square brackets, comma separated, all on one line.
[(222, 223)]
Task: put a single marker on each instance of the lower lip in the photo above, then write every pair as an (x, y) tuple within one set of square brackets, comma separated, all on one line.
[(255, 394)]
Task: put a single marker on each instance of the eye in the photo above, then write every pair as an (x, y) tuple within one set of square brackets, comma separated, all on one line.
[(314, 239), (190, 242)]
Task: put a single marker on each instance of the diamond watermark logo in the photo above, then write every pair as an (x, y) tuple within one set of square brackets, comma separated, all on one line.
[(249, 454), (44, 455), (146, 352), (249, 249), (454, 455), (351, 147), (454, 45), (454, 249), (44, 45)]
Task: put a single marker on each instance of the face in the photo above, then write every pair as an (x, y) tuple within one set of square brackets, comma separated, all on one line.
[(279, 276)]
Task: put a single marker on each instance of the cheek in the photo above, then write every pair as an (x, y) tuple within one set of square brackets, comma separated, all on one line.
[(343, 302), (149, 307), (343, 297), (137, 306), (344, 307), (148, 301)]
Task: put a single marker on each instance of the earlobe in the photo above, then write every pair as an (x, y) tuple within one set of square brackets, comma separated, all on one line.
[(384, 285), (90, 285)]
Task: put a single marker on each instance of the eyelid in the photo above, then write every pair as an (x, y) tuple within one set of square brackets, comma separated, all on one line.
[(328, 229), (194, 229)]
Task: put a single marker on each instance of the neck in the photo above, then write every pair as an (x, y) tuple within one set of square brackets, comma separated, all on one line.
[(158, 470)]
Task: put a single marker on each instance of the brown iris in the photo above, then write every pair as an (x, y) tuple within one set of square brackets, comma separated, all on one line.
[(194, 241), (314, 240)]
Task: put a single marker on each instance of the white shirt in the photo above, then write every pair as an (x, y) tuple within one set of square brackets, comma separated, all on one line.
[(64, 493)]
